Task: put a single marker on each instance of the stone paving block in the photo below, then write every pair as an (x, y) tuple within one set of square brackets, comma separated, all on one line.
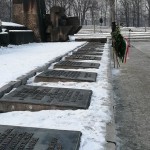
[(15, 84), (25, 138), (23, 79), (37, 98), (8, 87), (31, 73), (5, 89), (65, 76)]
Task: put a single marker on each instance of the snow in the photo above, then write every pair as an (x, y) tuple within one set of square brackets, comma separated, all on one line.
[(18, 60), (11, 24), (20, 31), (3, 32)]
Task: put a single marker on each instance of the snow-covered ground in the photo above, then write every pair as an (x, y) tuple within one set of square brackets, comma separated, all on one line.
[(18, 60), (104, 32), (11, 24)]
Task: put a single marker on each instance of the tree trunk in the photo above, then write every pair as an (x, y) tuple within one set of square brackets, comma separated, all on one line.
[(149, 17)]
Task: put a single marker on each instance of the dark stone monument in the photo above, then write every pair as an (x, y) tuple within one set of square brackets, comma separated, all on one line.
[(60, 26), (25, 138), (31, 13), (65, 76), (36, 98), (82, 57), (71, 64), (53, 27)]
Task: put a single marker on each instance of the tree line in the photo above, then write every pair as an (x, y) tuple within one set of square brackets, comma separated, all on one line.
[(133, 12), (88, 11), (128, 12)]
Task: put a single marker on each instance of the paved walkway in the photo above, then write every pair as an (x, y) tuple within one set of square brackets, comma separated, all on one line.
[(132, 101)]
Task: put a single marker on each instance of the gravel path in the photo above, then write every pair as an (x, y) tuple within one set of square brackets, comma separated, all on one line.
[(132, 102)]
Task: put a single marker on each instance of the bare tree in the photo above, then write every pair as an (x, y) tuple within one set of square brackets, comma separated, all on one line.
[(5, 14), (105, 10), (148, 8), (126, 10), (94, 9), (137, 6)]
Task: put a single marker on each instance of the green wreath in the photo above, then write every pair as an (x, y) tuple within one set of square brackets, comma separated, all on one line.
[(119, 44)]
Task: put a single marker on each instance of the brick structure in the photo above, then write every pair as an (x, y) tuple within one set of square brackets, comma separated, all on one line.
[(31, 13)]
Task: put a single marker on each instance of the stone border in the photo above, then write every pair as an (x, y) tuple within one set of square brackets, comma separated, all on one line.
[(22, 80), (110, 126)]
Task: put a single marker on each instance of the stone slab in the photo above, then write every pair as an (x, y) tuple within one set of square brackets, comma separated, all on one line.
[(87, 53), (93, 47), (37, 98), (65, 76), (82, 57), (90, 44), (72, 64), (90, 50), (93, 39), (25, 138)]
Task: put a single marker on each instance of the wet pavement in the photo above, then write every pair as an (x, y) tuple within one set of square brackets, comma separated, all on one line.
[(131, 84)]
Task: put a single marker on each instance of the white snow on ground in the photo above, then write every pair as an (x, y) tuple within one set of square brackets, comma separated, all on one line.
[(91, 122), (19, 60), (11, 24), (3, 33)]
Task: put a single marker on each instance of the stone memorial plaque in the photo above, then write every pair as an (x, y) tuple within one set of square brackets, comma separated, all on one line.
[(87, 50), (71, 64), (65, 76), (25, 138), (87, 53), (37, 98), (83, 57), (93, 47), (94, 44)]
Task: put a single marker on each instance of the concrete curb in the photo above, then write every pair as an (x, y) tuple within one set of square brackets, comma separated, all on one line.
[(22, 80), (110, 127)]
